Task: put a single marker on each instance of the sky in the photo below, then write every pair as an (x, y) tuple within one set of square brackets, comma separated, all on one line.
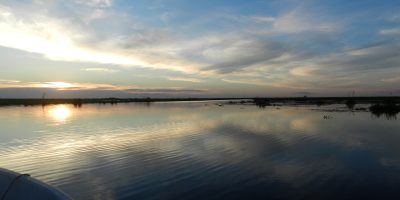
[(207, 48)]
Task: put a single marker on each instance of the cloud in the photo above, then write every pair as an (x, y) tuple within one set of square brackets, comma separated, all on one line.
[(7, 81), (194, 80), (293, 48), (392, 80), (49, 36), (143, 46), (393, 18), (302, 71), (211, 53), (238, 52), (60, 85), (259, 82), (165, 90), (99, 70), (298, 22), (393, 31), (338, 71), (248, 19), (378, 57), (66, 86), (95, 3), (19, 89), (263, 19)]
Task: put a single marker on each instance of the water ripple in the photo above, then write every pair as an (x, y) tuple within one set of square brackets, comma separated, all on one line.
[(194, 152)]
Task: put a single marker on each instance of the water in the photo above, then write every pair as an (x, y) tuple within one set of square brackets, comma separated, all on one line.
[(203, 151)]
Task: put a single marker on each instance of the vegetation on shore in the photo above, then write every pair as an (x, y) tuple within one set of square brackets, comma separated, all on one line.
[(79, 102), (262, 102), (349, 101), (388, 106)]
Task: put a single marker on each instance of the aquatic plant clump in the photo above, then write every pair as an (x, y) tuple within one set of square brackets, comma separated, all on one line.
[(389, 109)]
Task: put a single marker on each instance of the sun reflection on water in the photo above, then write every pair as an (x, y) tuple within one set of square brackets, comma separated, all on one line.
[(60, 113)]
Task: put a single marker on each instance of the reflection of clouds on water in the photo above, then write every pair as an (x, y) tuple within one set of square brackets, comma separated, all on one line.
[(53, 158), (132, 151), (295, 165), (307, 125)]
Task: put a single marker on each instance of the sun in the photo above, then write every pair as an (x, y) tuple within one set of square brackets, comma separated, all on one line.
[(60, 85), (56, 85)]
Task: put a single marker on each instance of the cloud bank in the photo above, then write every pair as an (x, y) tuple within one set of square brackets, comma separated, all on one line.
[(290, 48)]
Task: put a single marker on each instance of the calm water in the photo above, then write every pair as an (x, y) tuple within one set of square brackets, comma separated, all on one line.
[(202, 151)]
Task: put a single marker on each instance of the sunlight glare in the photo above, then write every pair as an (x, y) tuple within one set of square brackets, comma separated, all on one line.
[(60, 113), (60, 85)]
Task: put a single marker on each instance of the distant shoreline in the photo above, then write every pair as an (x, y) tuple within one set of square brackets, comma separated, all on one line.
[(78, 101), (256, 100)]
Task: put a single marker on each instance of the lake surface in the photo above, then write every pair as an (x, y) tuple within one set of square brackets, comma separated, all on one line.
[(200, 150)]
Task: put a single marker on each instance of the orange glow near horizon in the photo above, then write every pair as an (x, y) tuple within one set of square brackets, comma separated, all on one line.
[(60, 85)]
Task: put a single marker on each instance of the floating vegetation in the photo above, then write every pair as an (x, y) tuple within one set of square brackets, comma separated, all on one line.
[(350, 104), (242, 102), (262, 103), (390, 110)]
